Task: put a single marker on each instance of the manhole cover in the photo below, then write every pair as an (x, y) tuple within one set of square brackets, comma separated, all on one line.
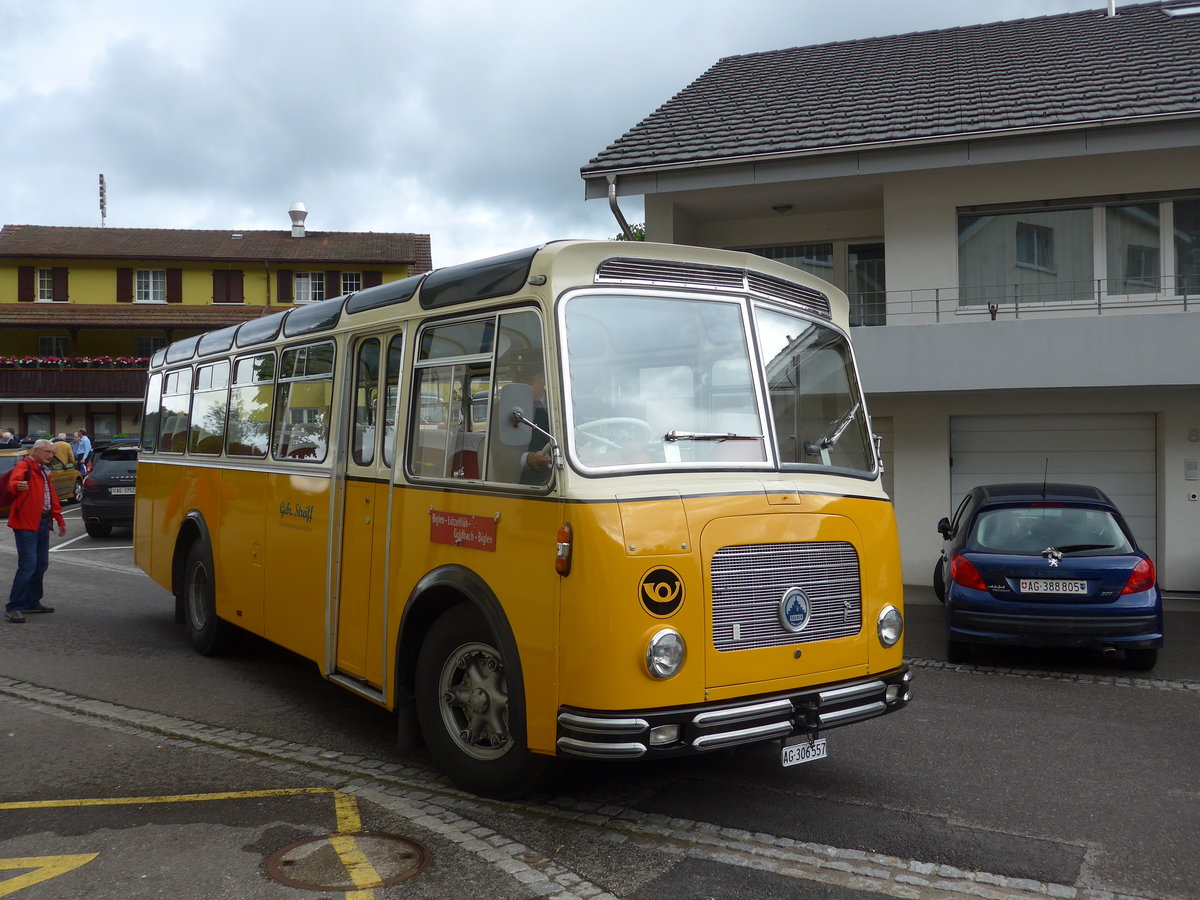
[(347, 862)]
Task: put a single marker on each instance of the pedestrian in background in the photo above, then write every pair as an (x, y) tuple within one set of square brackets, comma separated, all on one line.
[(33, 511), (9, 441), (82, 448)]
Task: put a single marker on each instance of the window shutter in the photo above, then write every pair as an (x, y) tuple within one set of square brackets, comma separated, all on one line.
[(372, 279), (60, 284), (333, 284), (26, 284), (284, 290), (124, 285), (174, 285), (228, 286)]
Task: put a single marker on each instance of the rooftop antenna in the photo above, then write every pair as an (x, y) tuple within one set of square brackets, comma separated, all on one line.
[(103, 200)]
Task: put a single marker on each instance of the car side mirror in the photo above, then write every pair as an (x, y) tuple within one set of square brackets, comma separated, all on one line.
[(944, 527)]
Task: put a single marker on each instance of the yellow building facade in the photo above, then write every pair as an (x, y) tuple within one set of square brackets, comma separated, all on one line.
[(82, 309)]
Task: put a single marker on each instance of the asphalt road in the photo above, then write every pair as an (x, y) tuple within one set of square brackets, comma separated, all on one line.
[(133, 767)]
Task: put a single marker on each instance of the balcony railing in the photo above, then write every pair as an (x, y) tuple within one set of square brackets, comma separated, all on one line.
[(1056, 299), (66, 383)]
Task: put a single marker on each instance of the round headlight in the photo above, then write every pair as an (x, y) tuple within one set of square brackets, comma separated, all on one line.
[(665, 653), (890, 625)]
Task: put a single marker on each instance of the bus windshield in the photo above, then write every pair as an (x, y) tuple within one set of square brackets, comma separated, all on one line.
[(669, 382)]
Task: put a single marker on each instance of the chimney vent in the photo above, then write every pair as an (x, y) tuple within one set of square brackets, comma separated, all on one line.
[(298, 214)]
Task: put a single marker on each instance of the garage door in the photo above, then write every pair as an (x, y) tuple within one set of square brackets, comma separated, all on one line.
[(1116, 453)]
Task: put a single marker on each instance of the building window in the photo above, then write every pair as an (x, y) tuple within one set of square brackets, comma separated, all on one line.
[(1070, 255), (1026, 257), (1187, 247), (310, 287), (45, 284), (145, 346), (351, 282), (1132, 236), (1035, 246), (816, 259), (52, 346), (151, 286)]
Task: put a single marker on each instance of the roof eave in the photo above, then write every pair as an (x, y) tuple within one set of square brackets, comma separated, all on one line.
[(602, 173)]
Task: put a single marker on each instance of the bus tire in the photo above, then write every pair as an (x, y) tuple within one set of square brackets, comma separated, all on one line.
[(210, 635), (472, 727)]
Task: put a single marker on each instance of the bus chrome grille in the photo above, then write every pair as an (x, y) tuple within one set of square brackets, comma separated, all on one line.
[(659, 273), (748, 582)]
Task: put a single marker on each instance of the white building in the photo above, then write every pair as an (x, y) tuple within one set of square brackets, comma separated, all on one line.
[(1014, 209)]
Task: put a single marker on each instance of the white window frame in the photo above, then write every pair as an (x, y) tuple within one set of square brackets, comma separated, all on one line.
[(45, 287), (150, 286), (351, 282), (306, 286)]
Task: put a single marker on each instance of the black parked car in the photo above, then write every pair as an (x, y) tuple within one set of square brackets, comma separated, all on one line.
[(109, 488)]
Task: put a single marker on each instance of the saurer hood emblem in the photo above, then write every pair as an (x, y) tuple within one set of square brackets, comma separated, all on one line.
[(794, 610)]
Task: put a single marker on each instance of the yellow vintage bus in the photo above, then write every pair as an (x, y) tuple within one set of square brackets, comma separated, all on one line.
[(588, 500)]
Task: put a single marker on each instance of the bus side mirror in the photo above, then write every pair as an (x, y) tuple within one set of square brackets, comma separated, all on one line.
[(515, 397)]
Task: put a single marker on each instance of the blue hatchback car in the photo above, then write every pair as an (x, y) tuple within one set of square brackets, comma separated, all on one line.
[(1051, 565)]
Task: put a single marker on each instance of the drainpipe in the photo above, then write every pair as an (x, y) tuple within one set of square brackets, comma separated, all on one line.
[(616, 210)]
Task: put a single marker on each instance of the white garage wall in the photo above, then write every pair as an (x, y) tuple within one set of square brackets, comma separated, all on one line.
[(1114, 452)]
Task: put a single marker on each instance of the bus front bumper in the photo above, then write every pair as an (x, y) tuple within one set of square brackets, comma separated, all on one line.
[(680, 731)]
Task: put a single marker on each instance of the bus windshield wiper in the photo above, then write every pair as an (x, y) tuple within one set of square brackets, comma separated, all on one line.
[(835, 432), (672, 436)]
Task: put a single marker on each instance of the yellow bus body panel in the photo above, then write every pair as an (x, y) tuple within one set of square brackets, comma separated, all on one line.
[(606, 626)]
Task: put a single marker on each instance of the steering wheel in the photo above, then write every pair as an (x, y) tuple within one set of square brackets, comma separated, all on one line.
[(621, 428)]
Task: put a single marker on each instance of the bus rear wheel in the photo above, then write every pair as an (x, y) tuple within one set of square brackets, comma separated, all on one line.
[(471, 724), (210, 635)]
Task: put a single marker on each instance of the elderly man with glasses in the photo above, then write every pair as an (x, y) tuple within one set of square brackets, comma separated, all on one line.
[(33, 510)]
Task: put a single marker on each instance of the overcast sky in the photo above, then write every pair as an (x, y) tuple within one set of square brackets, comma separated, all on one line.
[(468, 121)]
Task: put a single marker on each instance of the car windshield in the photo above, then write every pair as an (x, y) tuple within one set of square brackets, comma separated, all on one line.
[(671, 382), (1030, 530)]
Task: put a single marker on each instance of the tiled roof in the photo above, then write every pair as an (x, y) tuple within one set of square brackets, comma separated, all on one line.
[(128, 315), (316, 248), (1059, 72)]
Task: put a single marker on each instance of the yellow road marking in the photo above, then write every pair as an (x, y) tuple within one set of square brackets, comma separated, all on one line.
[(44, 868), (358, 867), (175, 798)]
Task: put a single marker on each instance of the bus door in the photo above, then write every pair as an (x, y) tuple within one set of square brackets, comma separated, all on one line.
[(359, 609)]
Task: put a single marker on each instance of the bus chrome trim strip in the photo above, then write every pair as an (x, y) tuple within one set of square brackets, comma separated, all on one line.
[(846, 716), (596, 750), (590, 734), (740, 713), (851, 692), (743, 736), (602, 726), (358, 687)]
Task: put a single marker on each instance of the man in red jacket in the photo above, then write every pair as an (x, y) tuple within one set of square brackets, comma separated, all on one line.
[(29, 517)]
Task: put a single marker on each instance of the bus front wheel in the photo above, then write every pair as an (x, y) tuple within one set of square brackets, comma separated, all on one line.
[(210, 635), (467, 714)]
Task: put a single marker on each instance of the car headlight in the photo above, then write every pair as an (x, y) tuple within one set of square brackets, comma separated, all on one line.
[(890, 625), (665, 653)]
